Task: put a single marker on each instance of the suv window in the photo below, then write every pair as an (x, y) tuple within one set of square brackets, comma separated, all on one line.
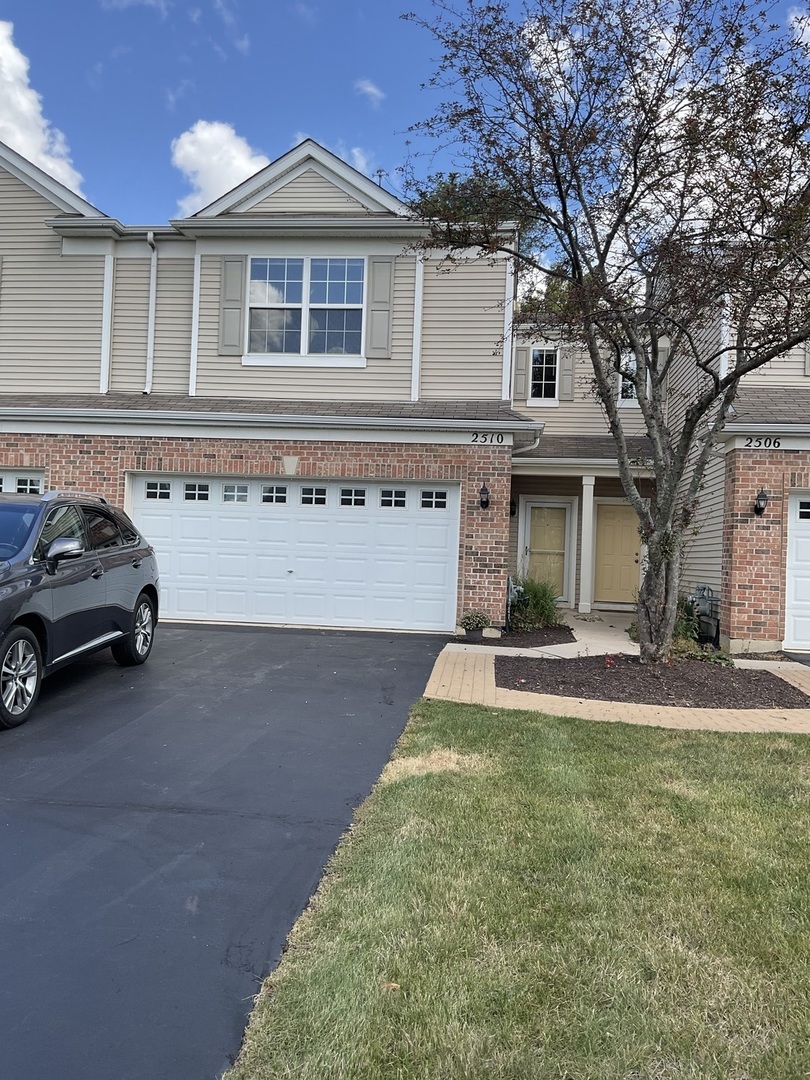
[(61, 521), (101, 529)]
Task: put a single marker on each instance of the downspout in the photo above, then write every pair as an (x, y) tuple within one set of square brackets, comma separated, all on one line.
[(150, 326), (528, 449)]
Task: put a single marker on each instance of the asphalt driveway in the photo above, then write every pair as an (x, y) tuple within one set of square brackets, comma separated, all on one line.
[(161, 828)]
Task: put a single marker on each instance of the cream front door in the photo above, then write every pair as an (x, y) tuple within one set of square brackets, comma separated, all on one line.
[(616, 574), (544, 555)]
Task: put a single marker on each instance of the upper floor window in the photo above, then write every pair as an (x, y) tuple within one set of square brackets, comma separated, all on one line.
[(627, 378), (544, 368), (309, 306)]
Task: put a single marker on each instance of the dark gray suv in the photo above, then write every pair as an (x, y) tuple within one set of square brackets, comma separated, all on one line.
[(75, 576)]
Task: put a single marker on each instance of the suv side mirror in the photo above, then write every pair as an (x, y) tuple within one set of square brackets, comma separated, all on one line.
[(64, 547)]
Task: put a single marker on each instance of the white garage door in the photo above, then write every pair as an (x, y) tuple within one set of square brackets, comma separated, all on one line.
[(797, 593), (317, 553)]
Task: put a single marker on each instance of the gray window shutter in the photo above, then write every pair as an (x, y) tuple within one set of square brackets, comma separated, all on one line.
[(232, 305), (565, 358), (521, 381), (380, 300), (806, 348)]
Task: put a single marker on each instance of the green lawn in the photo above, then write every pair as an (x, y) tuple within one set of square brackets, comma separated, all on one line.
[(526, 896)]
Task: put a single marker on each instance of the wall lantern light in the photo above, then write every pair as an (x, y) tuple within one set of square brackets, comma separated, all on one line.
[(483, 494), (512, 508), (760, 503)]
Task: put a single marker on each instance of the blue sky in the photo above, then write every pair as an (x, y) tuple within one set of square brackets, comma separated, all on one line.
[(152, 108)]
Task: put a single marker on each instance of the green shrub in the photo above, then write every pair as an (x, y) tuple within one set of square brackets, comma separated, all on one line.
[(536, 606)]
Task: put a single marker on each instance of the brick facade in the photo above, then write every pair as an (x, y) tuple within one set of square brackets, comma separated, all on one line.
[(101, 463), (754, 560)]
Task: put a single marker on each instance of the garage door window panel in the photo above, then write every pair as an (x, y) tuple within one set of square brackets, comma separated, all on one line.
[(352, 496), (158, 489), (434, 500), (313, 496), (393, 498), (196, 492), (235, 493), (274, 493)]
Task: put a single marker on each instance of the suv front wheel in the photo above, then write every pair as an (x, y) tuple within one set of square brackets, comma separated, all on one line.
[(20, 676), (136, 646)]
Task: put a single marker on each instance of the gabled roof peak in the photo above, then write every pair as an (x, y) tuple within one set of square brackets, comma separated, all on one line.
[(312, 154), (43, 183)]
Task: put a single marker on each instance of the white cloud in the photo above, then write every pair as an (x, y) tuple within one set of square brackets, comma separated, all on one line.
[(360, 159), (121, 5), (370, 92), (306, 12), (22, 125), (213, 158), (799, 22)]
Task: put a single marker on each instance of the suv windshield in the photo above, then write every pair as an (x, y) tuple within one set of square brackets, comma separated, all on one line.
[(15, 527)]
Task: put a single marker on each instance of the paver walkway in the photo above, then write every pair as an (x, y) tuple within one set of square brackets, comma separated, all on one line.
[(462, 673)]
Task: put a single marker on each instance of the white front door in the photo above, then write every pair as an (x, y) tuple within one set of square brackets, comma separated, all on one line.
[(353, 553), (797, 590)]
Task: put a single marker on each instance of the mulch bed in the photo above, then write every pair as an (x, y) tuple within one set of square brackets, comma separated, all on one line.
[(684, 683), (529, 639)]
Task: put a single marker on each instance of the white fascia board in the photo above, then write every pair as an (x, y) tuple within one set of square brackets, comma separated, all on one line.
[(310, 151), (247, 226), (151, 427), (731, 431), (571, 467), (34, 177)]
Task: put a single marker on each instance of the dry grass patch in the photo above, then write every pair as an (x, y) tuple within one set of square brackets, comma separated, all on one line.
[(436, 761)]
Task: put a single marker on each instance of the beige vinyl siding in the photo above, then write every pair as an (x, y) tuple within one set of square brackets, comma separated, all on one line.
[(129, 324), (792, 369), (175, 294), (462, 330), (60, 353), (380, 380), (702, 554), (583, 415), (309, 193)]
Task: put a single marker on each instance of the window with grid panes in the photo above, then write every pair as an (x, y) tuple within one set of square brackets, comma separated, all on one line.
[(544, 374), (274, 493), (313, 496), (235, 493), (393, 498), (196, 492), (158, 489), (434, 500), (307, 306)]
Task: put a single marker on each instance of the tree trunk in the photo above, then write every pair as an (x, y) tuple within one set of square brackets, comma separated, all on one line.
[(658, 599)]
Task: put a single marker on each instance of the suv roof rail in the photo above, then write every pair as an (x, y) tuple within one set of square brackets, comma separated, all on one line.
[(62, 493)]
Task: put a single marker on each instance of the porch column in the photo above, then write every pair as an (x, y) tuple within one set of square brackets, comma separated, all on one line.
[(586, 547)]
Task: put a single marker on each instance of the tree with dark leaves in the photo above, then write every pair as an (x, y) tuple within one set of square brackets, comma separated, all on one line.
[(649, 160)]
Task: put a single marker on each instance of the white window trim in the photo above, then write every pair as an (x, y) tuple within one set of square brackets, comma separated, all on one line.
[(623, 402), (305, 359), (544, 403), (571, 506)]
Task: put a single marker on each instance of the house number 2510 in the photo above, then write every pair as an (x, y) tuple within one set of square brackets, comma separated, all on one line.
[(486, 437)]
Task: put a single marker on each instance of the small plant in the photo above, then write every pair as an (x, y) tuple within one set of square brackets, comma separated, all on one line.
[(474, 620), (537, 606)]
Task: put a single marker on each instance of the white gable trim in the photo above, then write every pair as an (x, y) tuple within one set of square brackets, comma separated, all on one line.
[(306, 167), (307, 154), (28, 173)]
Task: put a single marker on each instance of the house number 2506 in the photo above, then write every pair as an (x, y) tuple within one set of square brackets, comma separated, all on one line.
[(766, 444), (486, 437)]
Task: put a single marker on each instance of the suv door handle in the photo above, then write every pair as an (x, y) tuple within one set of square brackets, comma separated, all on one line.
[(97, 573)]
